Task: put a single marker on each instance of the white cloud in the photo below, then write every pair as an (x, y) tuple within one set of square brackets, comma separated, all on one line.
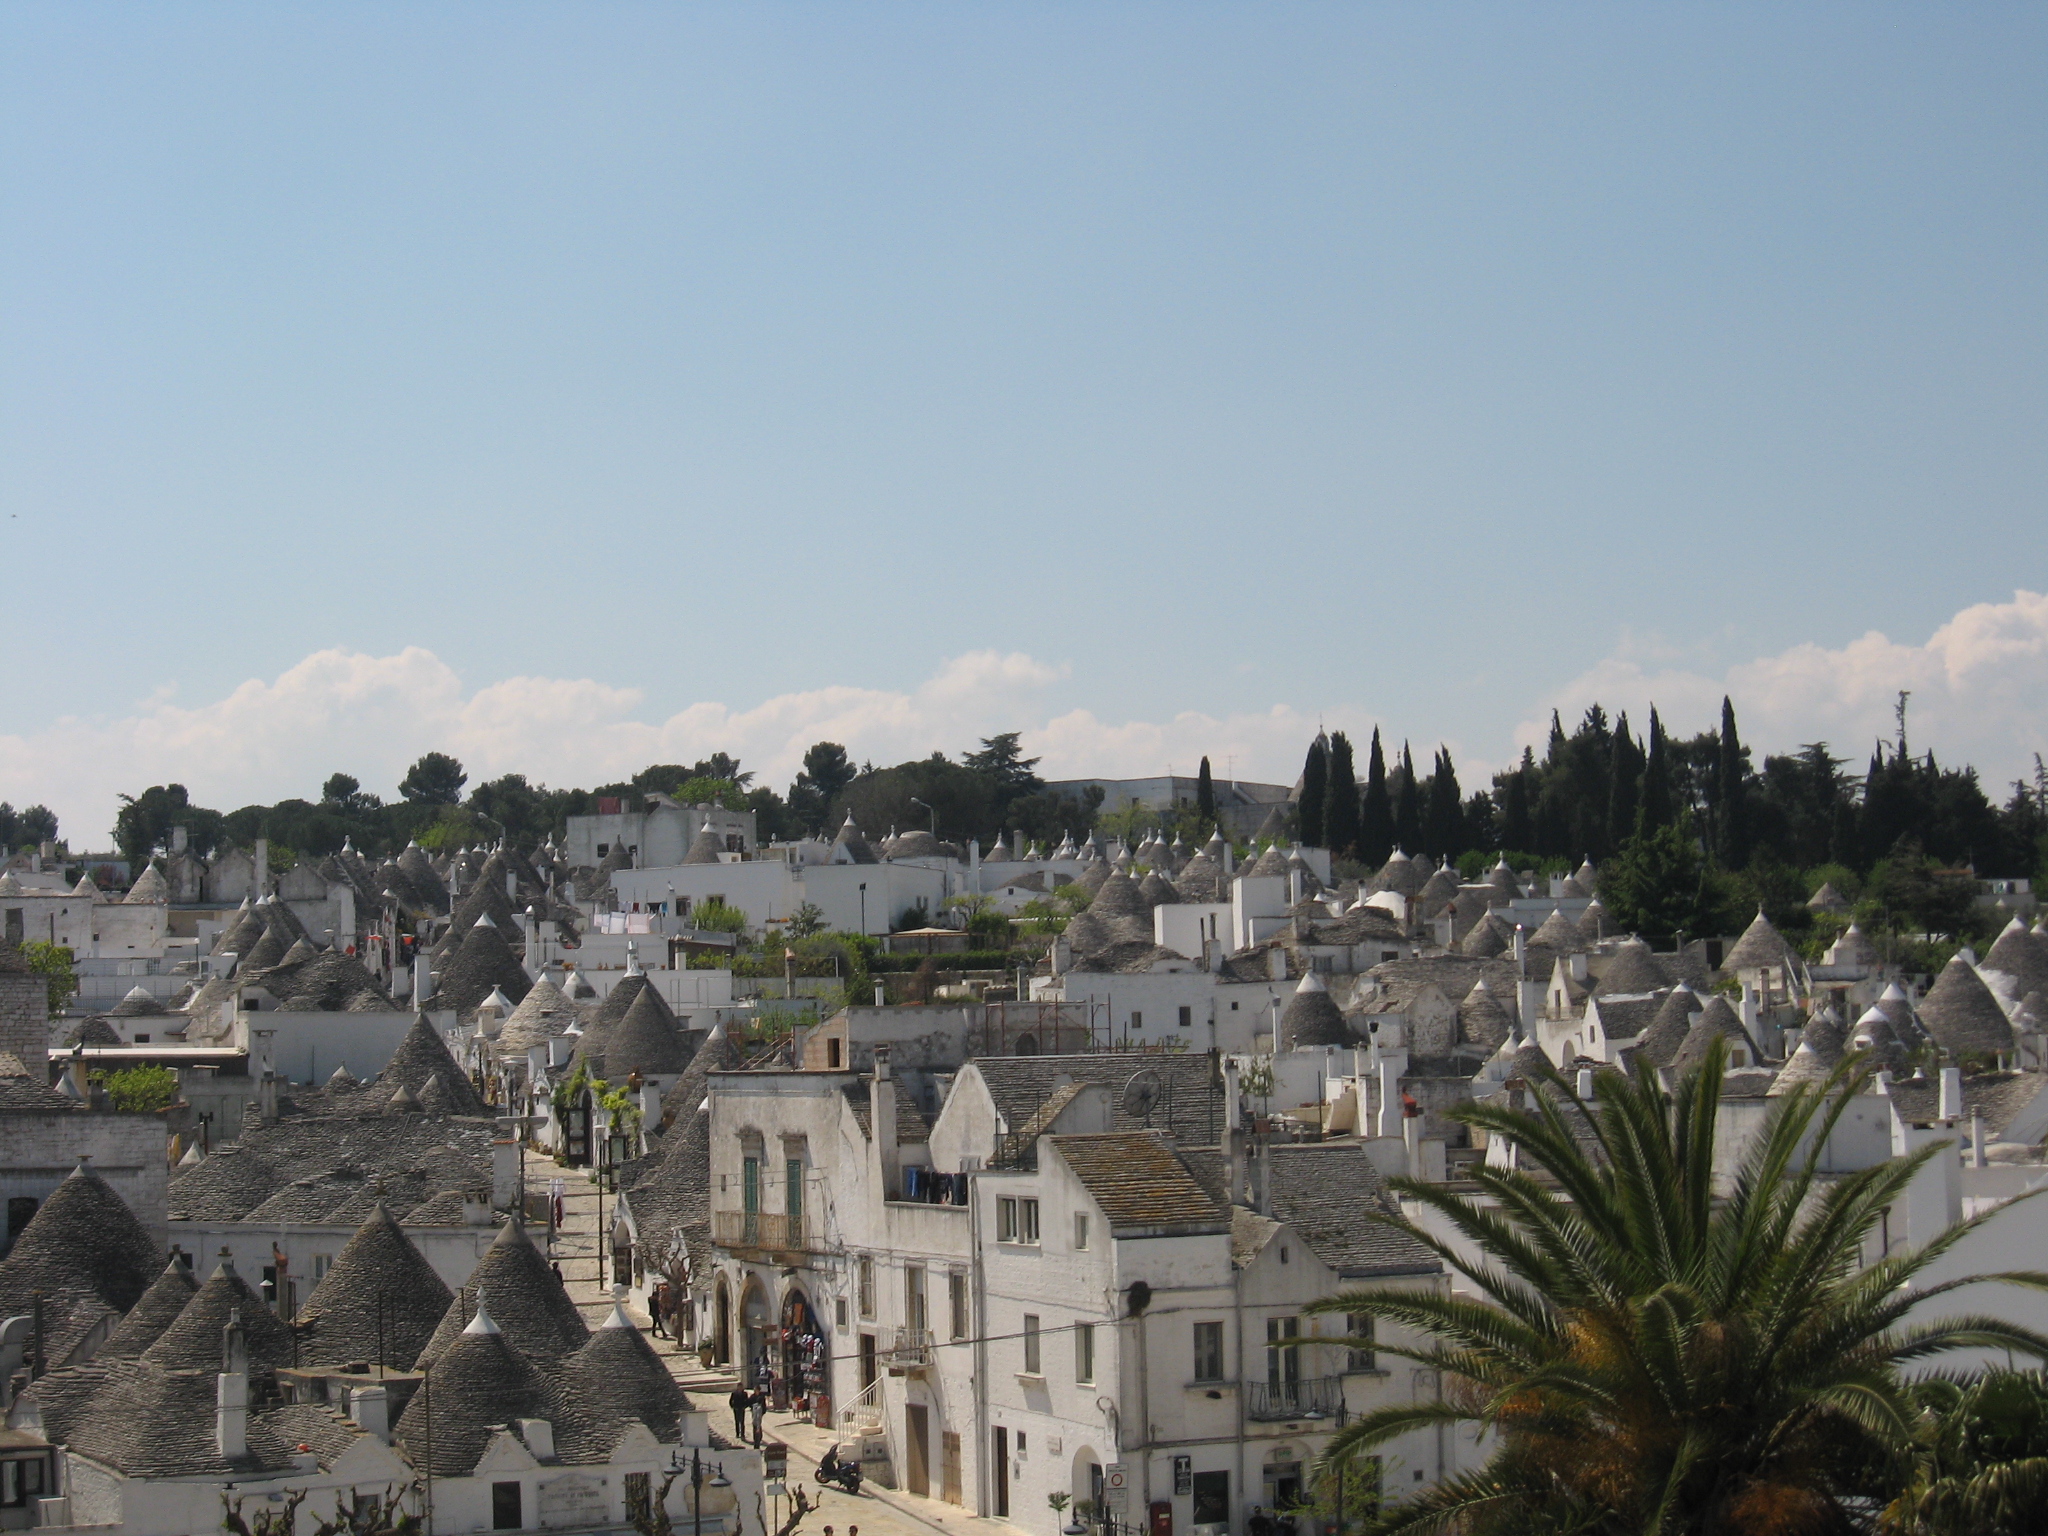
[(1979, 686), (372, 715)]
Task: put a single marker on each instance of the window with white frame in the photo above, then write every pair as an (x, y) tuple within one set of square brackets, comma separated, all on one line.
[(1084, 1352), (1032, 1361)]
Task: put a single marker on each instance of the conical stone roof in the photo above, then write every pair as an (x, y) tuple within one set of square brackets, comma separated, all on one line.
[(1632, 972), (1201, 879), (544, 1014), (1483, 1020), (1486, 938), (1312, 1017), (617, 1379), (2020, 955), (483, 963), (193, 1341), (1594, 923), (149, 1317), (600, 1023), (482, 1382), (1157, 891), (421, 1056), (379, 1300), (82, 1242), (1716, 1019), (149, 888), (1962, 1015), (1268, 865), (707, 847), (1659, 1044), (1760, 946), (1827, 899), (646, 1041), (1558, 933), (526, 1301)]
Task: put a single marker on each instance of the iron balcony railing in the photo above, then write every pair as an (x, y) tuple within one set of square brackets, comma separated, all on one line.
[(910, 1349), (1317, 1398), (775, 1230)]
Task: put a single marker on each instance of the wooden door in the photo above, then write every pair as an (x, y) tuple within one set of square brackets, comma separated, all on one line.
[(917, 1449), (999, 1474), (949, 1467)]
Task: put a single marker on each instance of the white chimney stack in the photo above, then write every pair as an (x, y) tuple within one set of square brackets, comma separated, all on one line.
[(1951, 1107)]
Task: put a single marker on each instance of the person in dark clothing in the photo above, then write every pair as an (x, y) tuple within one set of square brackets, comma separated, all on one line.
[(760, 1407), (739, 1401)]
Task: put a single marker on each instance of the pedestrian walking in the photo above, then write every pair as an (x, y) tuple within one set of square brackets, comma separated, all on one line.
[(739, 1401), (760, 1406), (658, 1308)]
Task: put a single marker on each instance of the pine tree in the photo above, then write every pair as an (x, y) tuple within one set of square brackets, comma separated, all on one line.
[(1205, 793), (1340, 801), (1315, 780), (1407, 805), (1375, 811), (1655, 807)]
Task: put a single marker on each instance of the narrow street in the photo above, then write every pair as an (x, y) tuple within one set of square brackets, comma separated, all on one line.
[(873, 1512)]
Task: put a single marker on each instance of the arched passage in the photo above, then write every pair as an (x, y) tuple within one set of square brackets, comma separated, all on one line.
[(721, 1337), (755, 1322)]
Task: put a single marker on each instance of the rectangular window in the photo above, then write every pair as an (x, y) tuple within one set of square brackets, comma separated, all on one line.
[(505, 1512), (956, 1301), (1031, 1356), (1359, 1331), (1137, 1019), (793, 1192), (1212, 1498), (1283, 1360), (839, 1311), (1027, 1221), (1208, 1351), (866, 1270), (1084, 1352), (913, 1297), (1006, 1220), (750, 1185), (1187, 1017), (1081, 1229)]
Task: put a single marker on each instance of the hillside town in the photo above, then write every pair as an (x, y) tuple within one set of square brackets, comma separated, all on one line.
[(654, 1170)]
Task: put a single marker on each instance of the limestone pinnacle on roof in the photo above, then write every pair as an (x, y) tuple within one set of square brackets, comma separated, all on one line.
[(481, 1323)]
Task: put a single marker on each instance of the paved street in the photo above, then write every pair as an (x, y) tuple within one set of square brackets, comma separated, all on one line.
[(875, 1511)]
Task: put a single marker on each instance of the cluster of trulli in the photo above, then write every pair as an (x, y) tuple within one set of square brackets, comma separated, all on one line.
[(175, 1381)]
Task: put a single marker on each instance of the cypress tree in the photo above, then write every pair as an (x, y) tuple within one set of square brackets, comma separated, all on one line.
[(1408, 806), (1655, 807), (1376, 811), (1340, 802), (1444, 837), (1205, 794), (1732, 824), (1624, 787), (1315, 780), (1517, 833)]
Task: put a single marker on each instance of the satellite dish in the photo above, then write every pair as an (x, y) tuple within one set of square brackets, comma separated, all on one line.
[(1142, 1094)]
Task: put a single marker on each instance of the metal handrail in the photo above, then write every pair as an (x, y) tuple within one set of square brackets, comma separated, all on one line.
[(911, 1346), (865, 1411), (1317, 1398)]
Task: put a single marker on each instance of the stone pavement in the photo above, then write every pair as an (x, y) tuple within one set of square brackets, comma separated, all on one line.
[(874, 1511)]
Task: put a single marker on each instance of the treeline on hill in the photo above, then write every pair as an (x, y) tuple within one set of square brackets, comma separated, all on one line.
[(1690, 834), (992, 789), (29, 828)]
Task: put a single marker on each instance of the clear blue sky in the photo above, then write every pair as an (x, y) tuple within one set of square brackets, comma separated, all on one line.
[(1406, 357)]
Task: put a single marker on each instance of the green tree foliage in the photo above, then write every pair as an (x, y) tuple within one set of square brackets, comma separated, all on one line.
[(143, 824), (1407, 804), (1340, 804), (26, 829), (1205, 792), (1907, 891), (54, 962), (1375, 810), (435, 779), (1315, 784), (1981, 1463), (1656, 803), (1444, 834), (1731, 792), (716, 917), (1657, 1351), (141, 1090), (1657, 884), (824, 776), (526, 813), (710, 791), (1003, 763), (344, 793)]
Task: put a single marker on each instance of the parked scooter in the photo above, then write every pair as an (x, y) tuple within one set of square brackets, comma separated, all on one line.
[(834, 1472)]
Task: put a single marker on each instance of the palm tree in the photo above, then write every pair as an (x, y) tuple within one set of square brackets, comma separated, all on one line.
[(1652, 1353), (1982, 1468)]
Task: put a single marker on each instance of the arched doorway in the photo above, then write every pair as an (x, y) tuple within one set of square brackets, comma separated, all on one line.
[(1027, 1044), (755, 1322), (721, 1338), (801, 1371)]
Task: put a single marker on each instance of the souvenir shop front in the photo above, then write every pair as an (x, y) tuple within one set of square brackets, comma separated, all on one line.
[(804, 1370)]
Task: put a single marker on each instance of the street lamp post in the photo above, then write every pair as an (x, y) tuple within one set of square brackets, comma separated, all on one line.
[(863, 906), (717, 1479), (934, 814)]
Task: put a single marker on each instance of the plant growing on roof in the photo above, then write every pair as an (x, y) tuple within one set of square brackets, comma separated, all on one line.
[(54, 962), (139, 1090), (1654, 1353)]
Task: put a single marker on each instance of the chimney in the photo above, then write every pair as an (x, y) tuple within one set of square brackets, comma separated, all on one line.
[(178, 840), (262, 866), (419, 979), (882, 1115), (881, 998), (511, 885), (1951, 1107), (1585, 1084), (231, 1392), (1976, 1141), (370, 1409), (1521, 951)]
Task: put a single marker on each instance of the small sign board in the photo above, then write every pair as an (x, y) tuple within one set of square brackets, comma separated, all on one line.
[(1116, 1482), (1183, 1476), (775, 1461)]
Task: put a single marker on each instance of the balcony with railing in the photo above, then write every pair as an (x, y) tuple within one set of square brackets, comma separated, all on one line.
[(763, 1231), (1317, 1398), (909, 1352)]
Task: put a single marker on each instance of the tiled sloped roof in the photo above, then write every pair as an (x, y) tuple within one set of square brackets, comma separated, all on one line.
[(1139, 1182), (1190, 1108), (1331, 1194), (910, 1123)]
